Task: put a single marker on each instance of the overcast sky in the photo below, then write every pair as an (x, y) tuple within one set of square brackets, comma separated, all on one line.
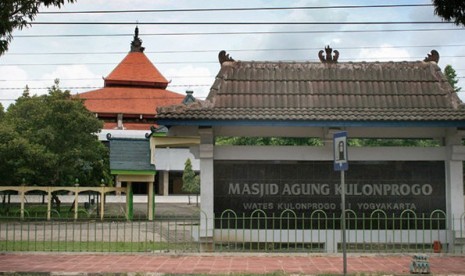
[(191, 61)]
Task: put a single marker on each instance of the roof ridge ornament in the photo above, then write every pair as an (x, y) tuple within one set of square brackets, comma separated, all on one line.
[(434, 56), (223, 57), (329, 58), (136, 44), (189, 97)]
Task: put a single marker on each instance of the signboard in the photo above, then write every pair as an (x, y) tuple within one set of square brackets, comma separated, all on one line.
[(341, 162), (306, 186)]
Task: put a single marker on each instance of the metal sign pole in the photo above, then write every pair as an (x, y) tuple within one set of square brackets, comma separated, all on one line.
[(341, 163), (343, 222)]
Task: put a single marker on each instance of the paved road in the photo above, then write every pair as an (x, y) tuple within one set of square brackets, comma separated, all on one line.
[(102, 264)]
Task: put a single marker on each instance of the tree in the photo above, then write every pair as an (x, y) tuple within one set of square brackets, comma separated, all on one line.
[(50, 140), (2, 111), (19, 159), (269, 141), (374, 142), (190, 181), (450, 10), (17, 14), (451, 76)]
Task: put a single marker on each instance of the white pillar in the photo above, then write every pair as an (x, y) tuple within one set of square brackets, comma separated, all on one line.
[(129, 201), (120, 121), (454, 182), (22, 195), (150, 201), (166, 183), (118, 185), (159, 191), (454, 186), (102, 201), (76, 201), (49, 204), (206, 149)]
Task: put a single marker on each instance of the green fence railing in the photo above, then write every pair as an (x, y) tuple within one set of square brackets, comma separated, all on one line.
[(320, 232), (91, 236), (288, 231)]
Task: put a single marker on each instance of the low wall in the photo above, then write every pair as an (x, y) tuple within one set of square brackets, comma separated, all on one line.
[(109, 199)]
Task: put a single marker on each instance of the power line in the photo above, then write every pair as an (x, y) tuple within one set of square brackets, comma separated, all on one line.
[(101, 78), (94, 87), (242, 23), (238, 50), (95, 79), (348, 59), (103, 63), (100, 87), (119, 98), (240, 9), (237, 33)]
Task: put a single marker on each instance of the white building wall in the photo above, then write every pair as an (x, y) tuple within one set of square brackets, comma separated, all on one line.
[(173, 159), (306, 153), (120, 133)]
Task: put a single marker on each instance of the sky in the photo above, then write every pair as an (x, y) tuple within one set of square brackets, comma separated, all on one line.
[(81, 55)]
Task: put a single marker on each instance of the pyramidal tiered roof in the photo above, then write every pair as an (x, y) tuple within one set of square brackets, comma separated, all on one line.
[(135, 88), (136, 70)]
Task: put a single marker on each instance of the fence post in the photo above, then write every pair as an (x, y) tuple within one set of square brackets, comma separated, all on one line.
[(49, 203), (129, 202), (23, 197), (102, 200), (76, 198), (151, 201), (330, 243)]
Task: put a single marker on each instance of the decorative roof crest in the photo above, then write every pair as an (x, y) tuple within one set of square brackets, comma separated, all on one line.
[(223, 56), (136, 44), (329, 58), (434, 56), (189, 97)]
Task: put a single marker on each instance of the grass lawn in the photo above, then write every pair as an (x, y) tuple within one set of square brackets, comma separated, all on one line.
[(66, 211), (93, 246)]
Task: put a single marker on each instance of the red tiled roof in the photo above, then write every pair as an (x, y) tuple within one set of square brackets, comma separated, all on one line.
[(134, 88), (129, 100), (136, 70)]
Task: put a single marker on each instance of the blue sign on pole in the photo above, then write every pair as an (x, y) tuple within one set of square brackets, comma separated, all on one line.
[(341, 162)]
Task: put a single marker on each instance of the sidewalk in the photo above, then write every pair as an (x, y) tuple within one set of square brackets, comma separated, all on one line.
[(215, 264)]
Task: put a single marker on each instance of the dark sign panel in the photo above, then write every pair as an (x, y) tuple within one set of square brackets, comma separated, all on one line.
[(306, 186)]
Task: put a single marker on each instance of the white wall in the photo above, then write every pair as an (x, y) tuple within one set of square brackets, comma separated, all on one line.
[(326, 153), (120, 133), (173, 159)]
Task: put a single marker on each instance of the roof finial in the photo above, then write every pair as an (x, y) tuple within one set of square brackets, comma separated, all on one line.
[(329, 58), (136, 44), (189, 97), (223, 56), (434, 56)]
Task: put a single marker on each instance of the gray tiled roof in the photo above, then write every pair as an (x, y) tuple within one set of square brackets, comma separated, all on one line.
[(313, 91)]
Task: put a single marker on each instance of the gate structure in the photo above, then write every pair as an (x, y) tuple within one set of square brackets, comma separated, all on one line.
[(266, 133), (51, 191)]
